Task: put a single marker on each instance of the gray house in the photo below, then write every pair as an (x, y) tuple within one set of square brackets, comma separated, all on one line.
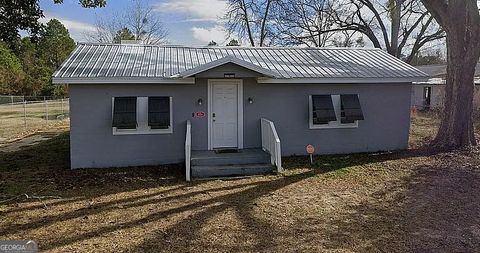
[(230, 110)]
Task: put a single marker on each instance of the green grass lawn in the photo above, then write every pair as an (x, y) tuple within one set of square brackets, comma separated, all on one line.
[(408, 201)]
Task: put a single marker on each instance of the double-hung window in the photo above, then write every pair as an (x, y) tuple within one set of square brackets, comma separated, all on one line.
[(142, 115), (334, 111)]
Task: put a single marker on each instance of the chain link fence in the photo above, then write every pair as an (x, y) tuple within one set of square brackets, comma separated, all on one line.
[(23, 115)]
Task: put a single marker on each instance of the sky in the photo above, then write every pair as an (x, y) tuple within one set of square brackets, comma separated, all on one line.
[(188, 22)]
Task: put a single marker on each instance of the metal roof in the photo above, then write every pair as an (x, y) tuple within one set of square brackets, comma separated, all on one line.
[(440, 70), (152, 63), (225, 60), (438, 73)]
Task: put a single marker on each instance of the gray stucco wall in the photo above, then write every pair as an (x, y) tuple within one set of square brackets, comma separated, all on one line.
[(94, 145), (385, 107)]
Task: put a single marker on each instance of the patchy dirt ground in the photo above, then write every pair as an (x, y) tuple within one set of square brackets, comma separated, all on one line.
[(410, 201), (29, 140)]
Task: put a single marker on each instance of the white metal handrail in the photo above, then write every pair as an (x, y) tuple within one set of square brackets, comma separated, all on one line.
[(188, 150), (271, 143)]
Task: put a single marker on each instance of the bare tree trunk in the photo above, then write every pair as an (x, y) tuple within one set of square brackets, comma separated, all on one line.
[(461, 20), (264, 21), (247, 22), (395, 29), (457, 128)]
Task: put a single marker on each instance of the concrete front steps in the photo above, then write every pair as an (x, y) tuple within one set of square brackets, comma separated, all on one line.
[(245, 162)]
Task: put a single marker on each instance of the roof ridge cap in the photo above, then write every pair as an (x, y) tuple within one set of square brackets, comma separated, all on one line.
[(227, 47)]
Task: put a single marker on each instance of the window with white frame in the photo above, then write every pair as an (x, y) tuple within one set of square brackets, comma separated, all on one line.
[(334, 111), (142, 115)]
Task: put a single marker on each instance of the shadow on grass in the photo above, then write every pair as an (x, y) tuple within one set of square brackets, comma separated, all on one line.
[(241, 201), (435, 209), (339, 164), (404, 215), (44, 169)]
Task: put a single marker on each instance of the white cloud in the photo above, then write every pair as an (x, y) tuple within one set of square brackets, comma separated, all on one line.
[(198, 10), (216, 33), (77, 29)]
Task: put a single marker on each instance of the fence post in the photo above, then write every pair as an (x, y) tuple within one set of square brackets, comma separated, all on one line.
[(46, 109), (25, 114)]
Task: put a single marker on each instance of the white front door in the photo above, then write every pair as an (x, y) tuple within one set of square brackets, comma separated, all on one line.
[(224, 114)]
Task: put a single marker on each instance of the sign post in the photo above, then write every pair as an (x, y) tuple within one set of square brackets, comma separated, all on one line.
[(310, 151)]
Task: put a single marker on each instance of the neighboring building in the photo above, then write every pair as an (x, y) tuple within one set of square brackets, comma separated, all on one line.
[(431, 93), (134, 105)]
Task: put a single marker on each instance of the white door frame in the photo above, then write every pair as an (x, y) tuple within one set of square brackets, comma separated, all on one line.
[(239, 83)]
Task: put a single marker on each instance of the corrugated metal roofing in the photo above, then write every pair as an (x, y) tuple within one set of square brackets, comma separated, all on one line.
[(90, 61)]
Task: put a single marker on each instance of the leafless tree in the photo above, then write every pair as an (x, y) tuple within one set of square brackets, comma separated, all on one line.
[(347, 39), (304, 22), (106, 27), (411, 25), (250, 19), (140, 18), (402, 27)]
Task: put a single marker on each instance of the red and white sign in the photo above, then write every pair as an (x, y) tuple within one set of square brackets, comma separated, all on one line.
[(199, 114), (310, 149)]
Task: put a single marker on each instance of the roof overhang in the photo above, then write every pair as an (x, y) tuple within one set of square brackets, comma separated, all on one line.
[(120, 80), (227, 59), (191, 80), (372, 80)]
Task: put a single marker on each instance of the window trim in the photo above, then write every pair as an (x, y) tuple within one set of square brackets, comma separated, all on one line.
[(142, 119), (332, 124)]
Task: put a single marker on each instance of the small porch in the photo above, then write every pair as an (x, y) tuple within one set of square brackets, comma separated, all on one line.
[(243, 162), (235, 162)]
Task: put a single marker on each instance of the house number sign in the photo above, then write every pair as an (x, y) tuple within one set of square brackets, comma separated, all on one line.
[(199, 114)]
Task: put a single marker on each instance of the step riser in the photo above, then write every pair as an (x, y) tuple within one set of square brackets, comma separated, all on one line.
[(230, 161), (206, 172)]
